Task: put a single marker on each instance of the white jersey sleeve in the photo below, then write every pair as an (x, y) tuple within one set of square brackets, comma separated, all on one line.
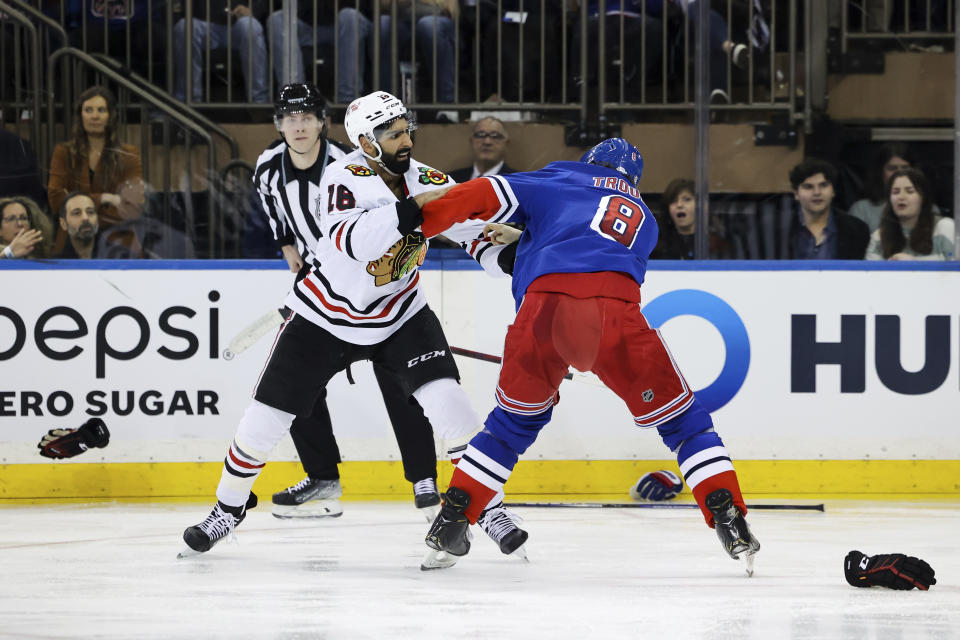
[(469, 235), (360, 227)]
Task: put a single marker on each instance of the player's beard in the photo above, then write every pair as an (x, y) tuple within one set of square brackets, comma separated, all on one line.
[(399, 167)]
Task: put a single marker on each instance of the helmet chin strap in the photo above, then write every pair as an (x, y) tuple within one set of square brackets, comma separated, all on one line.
[(379, 158)]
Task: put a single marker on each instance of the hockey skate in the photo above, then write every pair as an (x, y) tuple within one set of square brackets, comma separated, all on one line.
[(501, 525), (449, 535), (427, 498), (309, 498), (732, 528), (218, 525)]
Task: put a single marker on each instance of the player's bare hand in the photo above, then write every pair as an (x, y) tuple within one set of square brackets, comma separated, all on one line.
[(24, 242), (293, 258), (499, 234), (241, 11), (429, 196), (901, 256)]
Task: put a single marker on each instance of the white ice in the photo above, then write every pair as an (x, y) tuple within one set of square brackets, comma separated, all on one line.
[(110, 570)]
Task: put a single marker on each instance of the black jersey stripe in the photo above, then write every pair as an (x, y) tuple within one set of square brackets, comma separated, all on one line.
[(401, 309), (328, 290)]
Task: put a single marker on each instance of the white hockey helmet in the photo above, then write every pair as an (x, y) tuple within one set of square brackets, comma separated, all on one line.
[(369, 112)]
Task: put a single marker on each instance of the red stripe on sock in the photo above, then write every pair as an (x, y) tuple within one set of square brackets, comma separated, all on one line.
[(480, 495), (246, 465), (726, 480)]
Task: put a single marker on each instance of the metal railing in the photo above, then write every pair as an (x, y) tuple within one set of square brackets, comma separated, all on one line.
[(32, 86), (534, 55), (908, 21)]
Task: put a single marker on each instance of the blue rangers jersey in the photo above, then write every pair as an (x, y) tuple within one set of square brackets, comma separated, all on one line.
[(580, 218)]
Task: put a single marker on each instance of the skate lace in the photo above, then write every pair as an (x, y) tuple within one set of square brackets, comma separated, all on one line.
[(421, 487), (300, 485), (498, 522), (218, 524)]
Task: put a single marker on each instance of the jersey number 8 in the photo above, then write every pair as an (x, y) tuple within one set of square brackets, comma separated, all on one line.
[(619, 219)]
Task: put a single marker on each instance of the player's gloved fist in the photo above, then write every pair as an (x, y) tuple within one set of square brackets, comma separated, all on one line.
[(891, 570), (657, 486), (66, 443)]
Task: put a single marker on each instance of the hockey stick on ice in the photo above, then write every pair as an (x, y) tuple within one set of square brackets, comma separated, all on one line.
[(249, 335), (657, 505), (576, 376)]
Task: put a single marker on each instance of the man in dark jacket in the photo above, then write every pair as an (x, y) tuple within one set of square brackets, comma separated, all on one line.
[(488, 143), (820, 232), (212, 20)]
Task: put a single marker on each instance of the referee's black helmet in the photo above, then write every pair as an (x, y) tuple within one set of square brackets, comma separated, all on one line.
[(300, 98)]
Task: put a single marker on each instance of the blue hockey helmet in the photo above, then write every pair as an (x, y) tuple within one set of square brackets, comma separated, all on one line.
[(619, 155)]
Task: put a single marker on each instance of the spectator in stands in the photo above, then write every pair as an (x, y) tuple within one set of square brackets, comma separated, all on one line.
[(352, 33), (95, 162), (19, 170), (212, 20), (909, 229), (678, 225), (434, 20), (488, 143), (518, 43), (25, 231), (315, 29), (637, 32), (354, 28), (819, 231), (632, 12), (102, 27), (889, 158), (78, 219)]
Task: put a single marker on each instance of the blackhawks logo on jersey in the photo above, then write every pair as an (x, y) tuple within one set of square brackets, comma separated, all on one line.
[(432, 176), (403, 257), (359, 170)]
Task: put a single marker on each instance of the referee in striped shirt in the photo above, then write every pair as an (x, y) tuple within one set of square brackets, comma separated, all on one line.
[(288, 177)]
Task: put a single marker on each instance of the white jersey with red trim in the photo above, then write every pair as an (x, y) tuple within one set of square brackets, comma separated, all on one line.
[(365, 281)]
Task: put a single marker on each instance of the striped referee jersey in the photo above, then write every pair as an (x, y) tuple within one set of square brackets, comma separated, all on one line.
[(289, 195)]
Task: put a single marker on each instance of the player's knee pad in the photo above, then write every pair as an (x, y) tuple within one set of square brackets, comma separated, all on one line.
[(516, 431), (262, 427), (448, 409), (692, 421)]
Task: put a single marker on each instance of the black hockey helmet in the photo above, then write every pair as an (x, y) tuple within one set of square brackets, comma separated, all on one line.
[(299, 97)]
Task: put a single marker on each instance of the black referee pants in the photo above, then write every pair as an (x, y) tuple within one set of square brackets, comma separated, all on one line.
[(317, 447)]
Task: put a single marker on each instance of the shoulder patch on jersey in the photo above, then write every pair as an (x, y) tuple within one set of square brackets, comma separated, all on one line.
[(432, 176), (359, 170)]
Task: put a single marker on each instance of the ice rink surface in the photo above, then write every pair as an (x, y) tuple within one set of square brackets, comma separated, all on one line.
[(110, 570)]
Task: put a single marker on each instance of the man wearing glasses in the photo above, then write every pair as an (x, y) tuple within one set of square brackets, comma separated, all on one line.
[(488, 143)]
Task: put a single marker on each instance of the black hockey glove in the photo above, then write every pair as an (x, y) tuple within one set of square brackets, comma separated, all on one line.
[(891, 570), (66, 443)]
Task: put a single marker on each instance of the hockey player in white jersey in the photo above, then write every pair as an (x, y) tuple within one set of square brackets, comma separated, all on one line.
[(365, 303), (288, 177)]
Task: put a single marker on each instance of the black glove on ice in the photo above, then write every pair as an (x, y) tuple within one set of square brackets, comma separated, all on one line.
[(891, 570), (66, 443)]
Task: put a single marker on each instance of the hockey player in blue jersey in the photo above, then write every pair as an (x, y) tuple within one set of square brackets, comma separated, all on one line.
[(578, 267)]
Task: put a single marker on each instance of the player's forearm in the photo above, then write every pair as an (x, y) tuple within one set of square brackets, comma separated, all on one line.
[(473, 200), (366, 235)]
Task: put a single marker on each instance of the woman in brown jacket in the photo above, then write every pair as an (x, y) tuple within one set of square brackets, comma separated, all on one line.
[(96, 163)]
